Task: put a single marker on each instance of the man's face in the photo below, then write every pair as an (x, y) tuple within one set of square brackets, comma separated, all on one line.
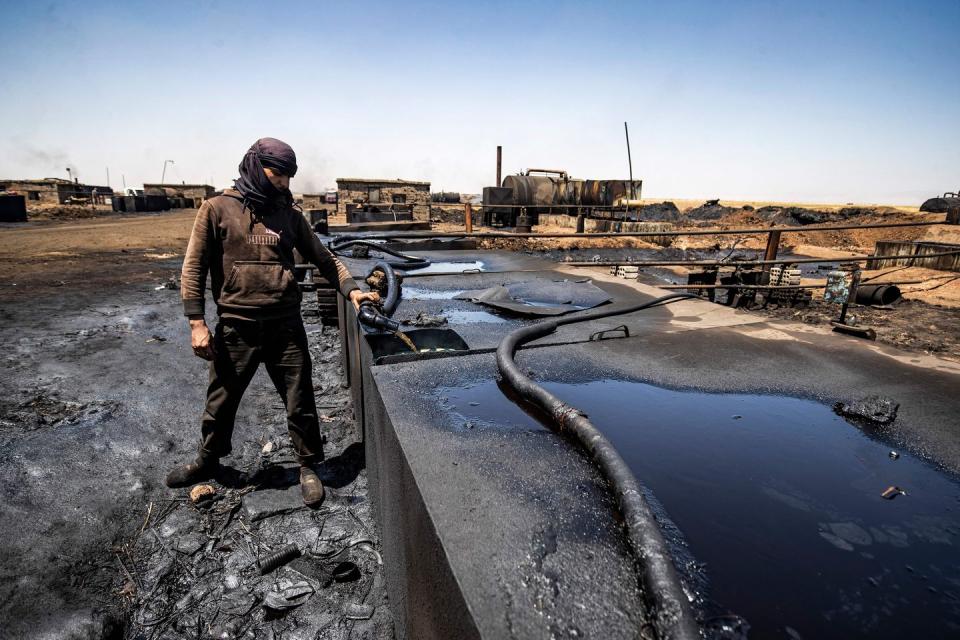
[(276, 178)]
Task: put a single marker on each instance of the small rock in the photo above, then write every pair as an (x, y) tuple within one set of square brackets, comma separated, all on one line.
[(873, 409), (894, 455), (268, 448), (266, 503), (202, 493)]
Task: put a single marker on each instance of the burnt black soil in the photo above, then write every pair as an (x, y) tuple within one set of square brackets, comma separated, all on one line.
[(101, 397), (911, 325)]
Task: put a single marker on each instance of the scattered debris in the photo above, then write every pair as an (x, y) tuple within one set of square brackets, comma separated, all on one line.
[(424, 319), (288, 598), (171, 284), (892, 492), (345, 572), (873, 409), (355, 611)]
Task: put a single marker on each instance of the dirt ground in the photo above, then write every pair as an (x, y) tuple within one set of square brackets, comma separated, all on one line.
[(102, 395), (43, 257)]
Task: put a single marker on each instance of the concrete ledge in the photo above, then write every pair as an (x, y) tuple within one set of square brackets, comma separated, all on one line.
[(498, 530), (397, 225)]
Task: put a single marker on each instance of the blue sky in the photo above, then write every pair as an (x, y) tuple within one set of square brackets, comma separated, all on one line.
[(814, 102)]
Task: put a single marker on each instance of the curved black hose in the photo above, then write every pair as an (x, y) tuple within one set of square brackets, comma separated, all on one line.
[(278, 558), (673, 617), (408, 261), (393, 286)]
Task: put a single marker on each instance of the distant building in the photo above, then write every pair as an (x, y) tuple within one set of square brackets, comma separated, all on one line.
[(197, 192), (55, 190), (383, 194), (324, 200)]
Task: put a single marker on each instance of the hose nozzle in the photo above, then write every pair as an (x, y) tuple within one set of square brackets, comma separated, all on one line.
[(371, 316)]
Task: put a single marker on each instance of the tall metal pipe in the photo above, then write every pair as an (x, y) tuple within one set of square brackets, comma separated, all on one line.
[(626, 131), (499, 162)]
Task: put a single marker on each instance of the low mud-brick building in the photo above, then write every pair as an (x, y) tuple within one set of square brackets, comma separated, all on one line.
[(375, 192), (53, 190), (197, 192)]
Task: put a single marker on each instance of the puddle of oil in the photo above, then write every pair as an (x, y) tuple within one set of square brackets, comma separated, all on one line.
[(449, 266), (456, 316), (415, 293), (780, 499)]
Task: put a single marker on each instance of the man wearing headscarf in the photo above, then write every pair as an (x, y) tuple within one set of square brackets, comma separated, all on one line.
[(245, 239)]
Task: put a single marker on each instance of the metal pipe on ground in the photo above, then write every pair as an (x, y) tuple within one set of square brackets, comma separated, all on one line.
[(881, 294), (737, 263), (387, 235)]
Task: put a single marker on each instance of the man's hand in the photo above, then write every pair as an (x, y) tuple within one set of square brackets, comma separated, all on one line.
[(357, 296), (201, 339)]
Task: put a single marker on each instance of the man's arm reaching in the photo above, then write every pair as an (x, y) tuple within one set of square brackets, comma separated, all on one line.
[(330, 268)]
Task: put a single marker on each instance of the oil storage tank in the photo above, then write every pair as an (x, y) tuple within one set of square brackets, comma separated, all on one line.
[(537, 192), (607, 193), (592, 193)]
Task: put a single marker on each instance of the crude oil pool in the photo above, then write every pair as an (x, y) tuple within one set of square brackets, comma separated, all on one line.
[(772, 506)]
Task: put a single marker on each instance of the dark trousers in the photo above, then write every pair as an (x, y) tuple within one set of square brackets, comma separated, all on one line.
[(241, 345)]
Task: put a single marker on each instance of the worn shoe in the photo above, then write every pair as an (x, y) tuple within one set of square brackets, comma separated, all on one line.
[(311, 487), (191, 473)]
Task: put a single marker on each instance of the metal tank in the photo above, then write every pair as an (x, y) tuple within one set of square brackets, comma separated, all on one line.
[(941, 204), (568, 192), (617, 191), (538, 192), (445, 197)]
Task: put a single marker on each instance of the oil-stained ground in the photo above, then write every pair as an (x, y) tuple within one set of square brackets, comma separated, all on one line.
[(101, 395)]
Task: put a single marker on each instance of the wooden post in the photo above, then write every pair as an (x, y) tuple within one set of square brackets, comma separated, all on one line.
[(468, 217), (773, 247)]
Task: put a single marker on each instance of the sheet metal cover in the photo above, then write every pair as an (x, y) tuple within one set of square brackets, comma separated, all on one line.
[(540, 297)]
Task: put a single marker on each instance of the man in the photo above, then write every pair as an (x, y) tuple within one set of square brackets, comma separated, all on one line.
[(245, 240)]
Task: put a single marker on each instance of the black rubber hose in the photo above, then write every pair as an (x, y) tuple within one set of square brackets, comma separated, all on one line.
[(408, 261), (393, 287), (673, 617), (278, 558)]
